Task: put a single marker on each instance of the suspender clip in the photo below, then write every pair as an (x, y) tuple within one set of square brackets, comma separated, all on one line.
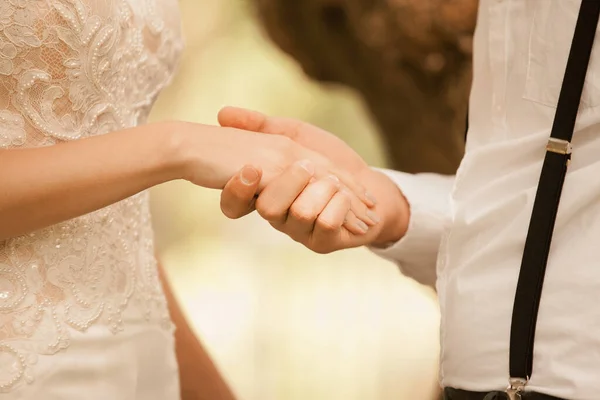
[(515, 388), (558, 146)]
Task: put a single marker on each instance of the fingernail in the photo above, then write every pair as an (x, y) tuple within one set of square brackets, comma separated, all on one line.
[(307, 165), (373, 216), (370, 197), (361, 226), (335, 180), (248, 176)]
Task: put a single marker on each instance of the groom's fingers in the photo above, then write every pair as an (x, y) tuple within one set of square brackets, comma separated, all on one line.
[(249, 120), (241, 118), (301, 132), (307, 207), (238, 196), (277, 197)]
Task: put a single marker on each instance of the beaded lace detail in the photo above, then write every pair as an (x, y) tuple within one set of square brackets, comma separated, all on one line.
[(70, 69)]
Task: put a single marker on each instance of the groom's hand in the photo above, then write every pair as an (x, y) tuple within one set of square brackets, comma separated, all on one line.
[(313, 213), (239, 194)]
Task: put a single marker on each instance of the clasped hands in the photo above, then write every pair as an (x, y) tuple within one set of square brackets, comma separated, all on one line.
[(328, 201)]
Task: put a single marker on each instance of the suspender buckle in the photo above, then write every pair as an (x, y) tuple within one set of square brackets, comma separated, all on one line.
[(558, 146), (515, 388)]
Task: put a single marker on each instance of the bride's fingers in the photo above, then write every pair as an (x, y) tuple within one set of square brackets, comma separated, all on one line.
[(361, 211), (354, 224), (361, 200), (237, 198), (336, 224), (350, 182), (339, 213)]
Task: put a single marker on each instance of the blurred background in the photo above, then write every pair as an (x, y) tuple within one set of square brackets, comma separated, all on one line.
[(281, 322)]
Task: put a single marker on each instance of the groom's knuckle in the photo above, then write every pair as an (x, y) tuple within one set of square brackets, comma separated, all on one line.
[(269, 211), (330, 188), (326, 225), (302, 213)]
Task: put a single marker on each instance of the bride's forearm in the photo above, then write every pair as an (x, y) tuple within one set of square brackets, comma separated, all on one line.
[(43, 186)]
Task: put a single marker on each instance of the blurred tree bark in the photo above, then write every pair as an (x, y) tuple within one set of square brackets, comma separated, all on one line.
[(409, 59)]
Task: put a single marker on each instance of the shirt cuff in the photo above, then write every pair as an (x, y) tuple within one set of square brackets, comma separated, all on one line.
[(428, 197)]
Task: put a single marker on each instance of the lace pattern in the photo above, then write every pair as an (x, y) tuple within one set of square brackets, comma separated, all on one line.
[(70, 69)]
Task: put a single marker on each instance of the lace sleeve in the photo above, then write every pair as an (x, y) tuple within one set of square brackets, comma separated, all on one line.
[(34, 74), (71, 68)]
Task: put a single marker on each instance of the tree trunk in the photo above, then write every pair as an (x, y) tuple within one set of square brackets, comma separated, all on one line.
[(409, 59)]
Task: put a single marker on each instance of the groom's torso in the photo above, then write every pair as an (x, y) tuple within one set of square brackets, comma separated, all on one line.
[(521, 49)]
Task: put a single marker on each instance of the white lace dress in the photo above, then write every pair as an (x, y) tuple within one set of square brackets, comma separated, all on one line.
[(82, 313)]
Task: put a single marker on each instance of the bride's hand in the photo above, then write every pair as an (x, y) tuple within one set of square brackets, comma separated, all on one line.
[(211, 156)]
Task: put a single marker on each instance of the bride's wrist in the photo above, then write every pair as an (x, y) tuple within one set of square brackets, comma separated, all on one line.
[(197, 154), (171, 139)]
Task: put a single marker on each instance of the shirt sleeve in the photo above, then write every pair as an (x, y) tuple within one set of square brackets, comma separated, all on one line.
[(428, 196)]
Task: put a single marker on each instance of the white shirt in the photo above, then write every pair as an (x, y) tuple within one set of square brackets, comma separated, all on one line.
[(520, 53)]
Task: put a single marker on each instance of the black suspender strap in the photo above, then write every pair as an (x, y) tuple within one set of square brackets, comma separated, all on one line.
[(541, 226)]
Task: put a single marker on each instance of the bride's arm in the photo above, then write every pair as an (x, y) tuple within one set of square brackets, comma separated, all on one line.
[(198, 375), (46, 185)]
